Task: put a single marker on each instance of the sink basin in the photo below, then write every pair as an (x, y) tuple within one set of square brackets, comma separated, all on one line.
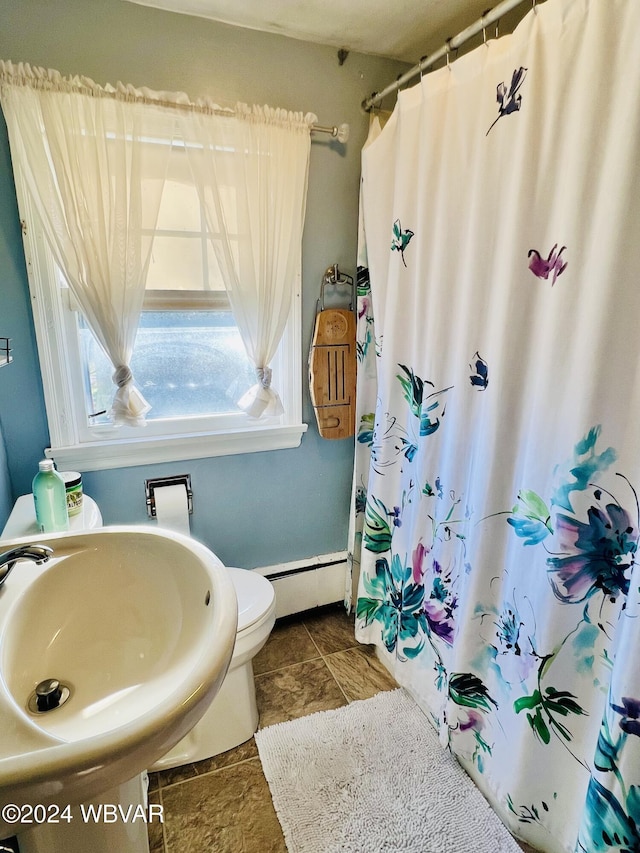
[(139, 625)]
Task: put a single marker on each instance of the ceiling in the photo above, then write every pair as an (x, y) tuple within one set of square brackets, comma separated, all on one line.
[(402, 29)]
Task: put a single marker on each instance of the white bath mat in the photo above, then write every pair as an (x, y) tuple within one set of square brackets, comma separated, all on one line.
[(372, 776)]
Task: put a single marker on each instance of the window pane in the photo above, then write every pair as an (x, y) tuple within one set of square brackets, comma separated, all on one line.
[(185, 363), (179, 208), (214, 273), (176, 264)]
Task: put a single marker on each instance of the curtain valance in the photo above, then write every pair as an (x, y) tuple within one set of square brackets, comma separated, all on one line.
[(50, 80)]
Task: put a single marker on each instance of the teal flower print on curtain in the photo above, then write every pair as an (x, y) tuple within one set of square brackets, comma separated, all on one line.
[(395, 602), (401, 239)]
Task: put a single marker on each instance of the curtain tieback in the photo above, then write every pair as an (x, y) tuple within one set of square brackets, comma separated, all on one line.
[(122, 375), (129, 406), (261, 399), (264, 376)]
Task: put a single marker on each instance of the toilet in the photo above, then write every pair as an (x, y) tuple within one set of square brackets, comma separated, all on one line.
[(232, 717)]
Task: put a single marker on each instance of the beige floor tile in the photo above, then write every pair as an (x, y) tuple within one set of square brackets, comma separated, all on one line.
[(359, 673), (295, 691), (155, 828), (288, 643), (243, 752), (229, 811), (331, 629), (174, 775), (189, 771), (223, 804)]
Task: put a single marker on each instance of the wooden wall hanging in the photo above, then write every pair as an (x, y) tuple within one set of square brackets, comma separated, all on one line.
[(332, 363)]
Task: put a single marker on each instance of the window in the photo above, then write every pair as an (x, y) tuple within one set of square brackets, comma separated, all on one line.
[(189, 361)]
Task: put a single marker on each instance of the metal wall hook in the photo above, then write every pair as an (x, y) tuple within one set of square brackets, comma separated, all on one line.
[(333, 277)]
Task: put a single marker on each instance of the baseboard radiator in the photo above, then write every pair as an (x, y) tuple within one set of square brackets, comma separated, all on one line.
[(305, 584)]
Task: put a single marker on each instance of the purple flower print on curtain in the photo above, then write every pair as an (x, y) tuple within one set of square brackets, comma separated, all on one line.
[(630, 711), (542, 268), (595, 556), (509, 101)]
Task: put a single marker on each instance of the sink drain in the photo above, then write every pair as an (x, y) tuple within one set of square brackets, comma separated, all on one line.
[(48, 696)]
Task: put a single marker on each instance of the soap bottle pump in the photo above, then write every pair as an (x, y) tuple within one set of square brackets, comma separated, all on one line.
[(50, 499)]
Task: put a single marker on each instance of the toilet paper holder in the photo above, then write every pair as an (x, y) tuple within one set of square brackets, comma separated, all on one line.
[(157, 482)]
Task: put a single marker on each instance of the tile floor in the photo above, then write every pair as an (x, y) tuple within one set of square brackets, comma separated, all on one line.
[(222, 805)]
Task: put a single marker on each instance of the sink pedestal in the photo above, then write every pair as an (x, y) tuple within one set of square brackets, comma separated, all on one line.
[(139, 625), (117, 820)]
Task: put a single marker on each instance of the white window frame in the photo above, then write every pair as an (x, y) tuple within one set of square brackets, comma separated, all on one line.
[(99, 448)]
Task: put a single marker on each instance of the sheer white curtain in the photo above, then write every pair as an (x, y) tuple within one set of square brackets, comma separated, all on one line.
[(95, 171), (251, 172)]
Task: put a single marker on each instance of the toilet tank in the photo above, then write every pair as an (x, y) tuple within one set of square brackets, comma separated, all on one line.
[(22, 521)]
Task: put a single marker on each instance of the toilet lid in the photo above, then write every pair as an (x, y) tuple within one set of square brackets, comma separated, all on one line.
[(255, 596)]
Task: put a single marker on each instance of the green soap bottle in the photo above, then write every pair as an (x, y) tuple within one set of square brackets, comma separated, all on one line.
[(50, 499)]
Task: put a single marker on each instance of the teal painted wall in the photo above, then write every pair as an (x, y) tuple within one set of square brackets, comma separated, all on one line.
[(5, 484), (254, 509)]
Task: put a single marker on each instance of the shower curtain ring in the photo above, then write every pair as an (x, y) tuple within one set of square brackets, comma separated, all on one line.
[(422, 59), (448, 49)]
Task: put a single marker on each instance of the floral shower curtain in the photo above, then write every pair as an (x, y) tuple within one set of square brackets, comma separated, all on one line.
[(496, 490)]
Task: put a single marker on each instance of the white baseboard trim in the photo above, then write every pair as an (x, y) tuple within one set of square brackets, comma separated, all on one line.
[(304, 584)]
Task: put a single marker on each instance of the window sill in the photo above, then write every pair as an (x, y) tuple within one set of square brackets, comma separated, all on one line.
[(125, 453)]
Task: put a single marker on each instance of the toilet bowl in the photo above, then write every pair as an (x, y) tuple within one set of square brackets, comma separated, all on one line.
[(232, 717)]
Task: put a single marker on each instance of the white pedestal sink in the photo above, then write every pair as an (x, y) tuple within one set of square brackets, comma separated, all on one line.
[(96, 826), (139, 624)]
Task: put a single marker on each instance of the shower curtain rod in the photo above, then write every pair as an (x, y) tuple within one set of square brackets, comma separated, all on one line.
[(451, 44)]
